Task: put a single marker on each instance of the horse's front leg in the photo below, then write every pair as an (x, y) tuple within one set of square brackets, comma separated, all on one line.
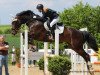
[(32, 47), (30, 40)]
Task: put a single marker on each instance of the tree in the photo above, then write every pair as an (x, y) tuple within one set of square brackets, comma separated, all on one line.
[(81, 16)]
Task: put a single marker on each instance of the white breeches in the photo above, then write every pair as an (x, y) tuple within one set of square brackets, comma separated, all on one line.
[(54, 21)]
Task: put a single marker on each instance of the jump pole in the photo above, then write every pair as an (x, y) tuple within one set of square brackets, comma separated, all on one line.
[(24, 48), (73, 59), (21, 48), (56, 42), (46, 72), (26, 52)]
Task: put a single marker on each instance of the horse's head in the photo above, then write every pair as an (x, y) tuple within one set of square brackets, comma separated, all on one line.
[(15, 25), (21, 18)]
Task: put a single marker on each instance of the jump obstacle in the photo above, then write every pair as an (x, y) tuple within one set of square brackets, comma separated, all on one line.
[(24, 52), (79, 65), (24, 56)]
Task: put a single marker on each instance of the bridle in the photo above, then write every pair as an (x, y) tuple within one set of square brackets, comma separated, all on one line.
[(15, 28)]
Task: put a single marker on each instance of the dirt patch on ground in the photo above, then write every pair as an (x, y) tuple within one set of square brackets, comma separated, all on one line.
[(14, 70)]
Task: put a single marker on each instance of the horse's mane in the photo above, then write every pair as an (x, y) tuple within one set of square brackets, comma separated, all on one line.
[(27, 12), (30, 13)]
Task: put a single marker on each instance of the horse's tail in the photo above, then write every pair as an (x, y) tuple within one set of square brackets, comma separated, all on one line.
[(91, 41)]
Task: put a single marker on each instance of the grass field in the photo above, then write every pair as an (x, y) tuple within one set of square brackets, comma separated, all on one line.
[(4, 27), (13, 40)]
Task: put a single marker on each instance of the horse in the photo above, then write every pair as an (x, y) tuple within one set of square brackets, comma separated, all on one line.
[(73, 37)]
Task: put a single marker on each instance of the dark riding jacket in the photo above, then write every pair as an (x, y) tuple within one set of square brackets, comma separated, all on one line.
[(49, 14)]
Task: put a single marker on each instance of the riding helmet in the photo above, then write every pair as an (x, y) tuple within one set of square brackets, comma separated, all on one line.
[(40, 6)]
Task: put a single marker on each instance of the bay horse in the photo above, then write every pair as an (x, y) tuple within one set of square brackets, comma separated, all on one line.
[(74, 38)]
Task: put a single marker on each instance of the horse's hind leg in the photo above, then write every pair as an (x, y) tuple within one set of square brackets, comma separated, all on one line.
[(86, 57)]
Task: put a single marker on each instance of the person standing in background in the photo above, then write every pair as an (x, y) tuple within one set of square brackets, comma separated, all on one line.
[(13, 56), (3, 54)]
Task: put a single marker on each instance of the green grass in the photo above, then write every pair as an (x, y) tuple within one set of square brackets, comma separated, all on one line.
[(5, 27), (13, 40)]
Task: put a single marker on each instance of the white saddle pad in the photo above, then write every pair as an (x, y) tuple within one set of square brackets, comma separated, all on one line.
[(60, 28)]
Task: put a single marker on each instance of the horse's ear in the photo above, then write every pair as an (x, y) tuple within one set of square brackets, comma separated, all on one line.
[(12, 16)]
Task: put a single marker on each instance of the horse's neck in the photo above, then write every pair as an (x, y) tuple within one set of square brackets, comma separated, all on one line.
[(29, 23), (36, 24)]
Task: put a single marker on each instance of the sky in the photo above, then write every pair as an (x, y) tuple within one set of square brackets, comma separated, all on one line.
[(9, 8)]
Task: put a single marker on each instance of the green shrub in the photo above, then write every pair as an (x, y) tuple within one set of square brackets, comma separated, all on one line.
[(57, 65), (41, 64)]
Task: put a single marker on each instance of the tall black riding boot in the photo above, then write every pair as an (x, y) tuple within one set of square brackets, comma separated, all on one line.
[(52, 32)]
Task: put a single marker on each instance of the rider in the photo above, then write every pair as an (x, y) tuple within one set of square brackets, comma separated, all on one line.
[(49, 14)]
